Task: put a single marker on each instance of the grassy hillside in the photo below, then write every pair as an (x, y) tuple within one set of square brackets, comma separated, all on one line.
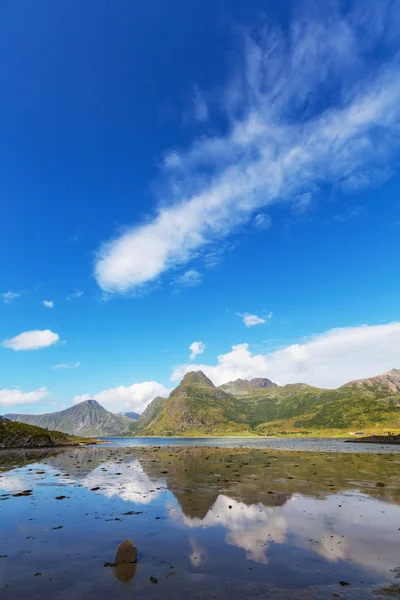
[(197, 407), (20, 435)]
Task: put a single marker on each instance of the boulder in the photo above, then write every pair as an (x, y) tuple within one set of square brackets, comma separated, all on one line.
[(126, 554)]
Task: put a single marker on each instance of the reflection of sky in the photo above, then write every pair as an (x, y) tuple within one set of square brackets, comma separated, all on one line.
[(131, 485), (347, 527)]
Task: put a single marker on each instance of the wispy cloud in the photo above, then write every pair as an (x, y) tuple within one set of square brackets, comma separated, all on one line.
[(48, 303), (189, 278), (307, 108), (262, 221), (327, 360), (32, 340), (251, 320), (67, 365), (16, 396), (8, 297), (196, 349), (74, 295)]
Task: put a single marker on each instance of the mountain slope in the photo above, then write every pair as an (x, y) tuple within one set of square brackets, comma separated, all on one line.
[(196, 406), (151, 412), (87, 418)]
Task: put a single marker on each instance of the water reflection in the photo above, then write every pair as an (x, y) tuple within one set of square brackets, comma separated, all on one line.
[(235, 522)]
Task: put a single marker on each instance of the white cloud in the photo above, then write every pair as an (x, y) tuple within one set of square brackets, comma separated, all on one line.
[(262, 221), (190, 278), (8, 297), (67, 365), (307, 109), (250, 320), (196, 348), (16, 396), (327, 360), (48, 303), (32, 340), (134, 397), (74, 295)]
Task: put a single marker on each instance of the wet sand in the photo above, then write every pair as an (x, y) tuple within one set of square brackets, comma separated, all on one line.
[(207, 523)]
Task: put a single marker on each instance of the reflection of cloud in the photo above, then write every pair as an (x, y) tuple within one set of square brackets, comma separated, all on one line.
[(350, 527), (198, 556), (338, 528), (11, 483), (248, 527), (332, 546), (133, 485)]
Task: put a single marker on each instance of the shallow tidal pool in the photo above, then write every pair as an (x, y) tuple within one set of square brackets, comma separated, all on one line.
[(207, 523)]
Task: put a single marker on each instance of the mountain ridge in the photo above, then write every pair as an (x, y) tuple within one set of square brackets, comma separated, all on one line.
[(247, 407)]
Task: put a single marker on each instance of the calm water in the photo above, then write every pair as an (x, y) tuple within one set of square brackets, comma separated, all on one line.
[(207, 522), (310, 444)]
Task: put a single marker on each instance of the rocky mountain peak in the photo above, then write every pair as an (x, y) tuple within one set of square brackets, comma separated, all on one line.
[(198, 378), (89, 404), (262, 383), (390, 380)]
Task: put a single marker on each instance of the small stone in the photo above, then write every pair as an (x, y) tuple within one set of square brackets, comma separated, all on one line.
[(153, 579), (126, 553)]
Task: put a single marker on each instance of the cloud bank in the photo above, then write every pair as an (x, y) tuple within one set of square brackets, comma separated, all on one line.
[(32, 340), (307, 108), (127, 398), (16, 396), (326, 360)]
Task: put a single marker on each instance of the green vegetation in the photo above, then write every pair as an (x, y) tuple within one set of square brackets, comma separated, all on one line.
[(20, 435), (197, 408)]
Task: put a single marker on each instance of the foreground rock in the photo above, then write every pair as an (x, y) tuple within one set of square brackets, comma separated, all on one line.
[(20, 435), (126, 554)]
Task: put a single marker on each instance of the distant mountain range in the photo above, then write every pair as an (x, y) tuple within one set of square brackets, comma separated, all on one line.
[(258, 406), (87, 418)]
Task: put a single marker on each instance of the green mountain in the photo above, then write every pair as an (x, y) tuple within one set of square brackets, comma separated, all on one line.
[(87, 418), (259, 406), (20, 435), (151, 412)]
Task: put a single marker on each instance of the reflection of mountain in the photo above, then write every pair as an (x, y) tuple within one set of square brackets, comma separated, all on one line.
[(197, 476)]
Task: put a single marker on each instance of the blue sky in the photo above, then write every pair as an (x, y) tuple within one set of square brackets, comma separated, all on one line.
[(224, 173)]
